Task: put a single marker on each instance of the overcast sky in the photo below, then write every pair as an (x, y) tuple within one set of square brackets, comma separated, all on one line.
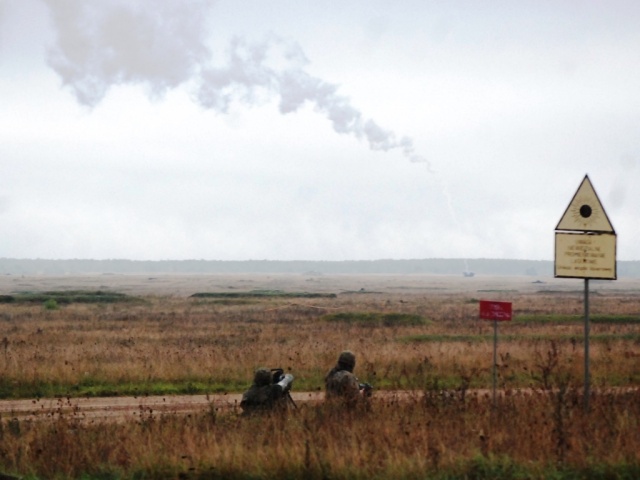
[(294, 130)]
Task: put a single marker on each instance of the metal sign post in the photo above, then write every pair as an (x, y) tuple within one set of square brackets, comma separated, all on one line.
[(585, 248), (495, 359), (587, 378), (496, 311)]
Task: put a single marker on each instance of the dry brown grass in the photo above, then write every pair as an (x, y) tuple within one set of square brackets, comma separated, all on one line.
[(181, 339), (530, 436), (173, 339)]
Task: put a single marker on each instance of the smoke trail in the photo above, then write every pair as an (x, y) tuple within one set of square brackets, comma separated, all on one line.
[(452, 212), (102, 44), (248, 70)]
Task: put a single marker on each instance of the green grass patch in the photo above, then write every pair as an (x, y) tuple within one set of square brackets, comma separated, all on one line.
[(92, 387), (478, 468), (230, 302), (263, 294), (186, 387), (371, 319), (605, 319), (362, 291), (52, 299), (578, 339), (503, 467), (98, 387), (443, 338)]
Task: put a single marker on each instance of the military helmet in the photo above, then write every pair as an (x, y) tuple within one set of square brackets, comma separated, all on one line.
[(262, 377), (347, 359)]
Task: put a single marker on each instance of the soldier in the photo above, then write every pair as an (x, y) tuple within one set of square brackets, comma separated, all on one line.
[(341, 383), (266, 393)]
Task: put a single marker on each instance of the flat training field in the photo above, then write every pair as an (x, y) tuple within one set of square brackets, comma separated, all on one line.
[(139, 376), (187, 284)]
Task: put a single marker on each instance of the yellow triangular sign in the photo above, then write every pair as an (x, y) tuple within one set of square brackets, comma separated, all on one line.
[(585, 213)]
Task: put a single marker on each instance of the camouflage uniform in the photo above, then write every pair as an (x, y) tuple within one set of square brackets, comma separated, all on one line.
[(263, 395), (340, 382)]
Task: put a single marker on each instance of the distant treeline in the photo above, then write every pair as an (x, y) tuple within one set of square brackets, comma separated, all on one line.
[(442, 266)]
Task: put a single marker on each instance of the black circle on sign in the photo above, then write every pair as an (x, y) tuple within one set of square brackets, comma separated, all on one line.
[(585, 211)]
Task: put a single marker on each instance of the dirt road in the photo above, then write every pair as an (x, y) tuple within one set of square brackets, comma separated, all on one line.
[(133, 408), (123, 408)]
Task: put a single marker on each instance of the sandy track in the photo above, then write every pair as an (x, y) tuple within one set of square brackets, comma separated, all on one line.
[(123, 408), (134, 408)]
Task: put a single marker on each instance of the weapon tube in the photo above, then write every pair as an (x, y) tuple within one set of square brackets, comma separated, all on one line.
[(285, 382)]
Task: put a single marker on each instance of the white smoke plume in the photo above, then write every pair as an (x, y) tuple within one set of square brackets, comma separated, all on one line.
[(162, 45), (105, 43)]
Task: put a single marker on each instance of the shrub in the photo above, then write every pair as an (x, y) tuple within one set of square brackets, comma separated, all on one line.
[(51, 304)]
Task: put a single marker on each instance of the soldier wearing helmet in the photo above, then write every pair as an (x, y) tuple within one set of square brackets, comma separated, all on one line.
[(269, 391), (341, 383)]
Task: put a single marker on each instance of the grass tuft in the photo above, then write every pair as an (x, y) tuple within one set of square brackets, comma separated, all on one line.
[(263, 294), (375, 319), (67, 297)]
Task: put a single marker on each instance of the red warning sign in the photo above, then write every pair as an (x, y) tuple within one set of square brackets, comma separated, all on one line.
[(500, 311)]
